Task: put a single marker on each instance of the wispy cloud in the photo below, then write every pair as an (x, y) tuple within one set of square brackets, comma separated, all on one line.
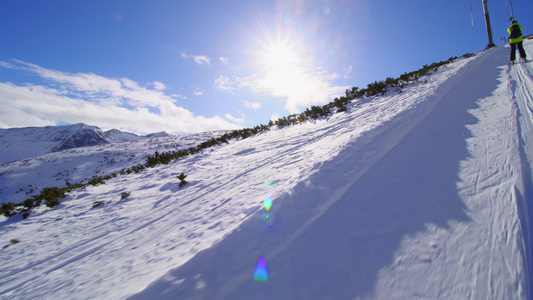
[(159, 85), (202, 59), (274, 117), (97, 100), (234, 119), (223, 83), (348, 72), (252, 105), (198, 59), (6, 65), (224, 60)]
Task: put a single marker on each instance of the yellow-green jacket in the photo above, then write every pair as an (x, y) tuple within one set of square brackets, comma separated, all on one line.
[(515, 40)]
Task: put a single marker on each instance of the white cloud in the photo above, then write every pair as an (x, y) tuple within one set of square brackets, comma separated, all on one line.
[(348, 72), (199, 93), (198, 59), (224, 60), (201, 59), (253, 105), (97, 100), (234, 119), (223, 83), (301, 86), (159, 86), (6, 65)]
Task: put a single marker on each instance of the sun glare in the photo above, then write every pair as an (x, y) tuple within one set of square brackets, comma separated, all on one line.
[(282, 54), (279, 56)]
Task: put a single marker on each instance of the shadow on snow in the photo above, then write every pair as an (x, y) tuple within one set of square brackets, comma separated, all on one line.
[(314, 250)]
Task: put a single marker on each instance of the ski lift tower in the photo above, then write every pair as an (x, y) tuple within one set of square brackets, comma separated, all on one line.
[(487, 21)]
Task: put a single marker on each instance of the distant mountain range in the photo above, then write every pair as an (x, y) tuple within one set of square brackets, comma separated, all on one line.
[(20, 143)]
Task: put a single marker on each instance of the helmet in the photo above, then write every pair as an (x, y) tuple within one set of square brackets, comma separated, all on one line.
[(514, 21)]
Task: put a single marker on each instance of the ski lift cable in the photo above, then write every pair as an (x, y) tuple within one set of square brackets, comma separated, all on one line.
[(509, 5), (472, 14), (477, 9), (472, 5), (512, 12)]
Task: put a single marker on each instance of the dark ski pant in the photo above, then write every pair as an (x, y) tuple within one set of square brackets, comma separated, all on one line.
[(520, 49)]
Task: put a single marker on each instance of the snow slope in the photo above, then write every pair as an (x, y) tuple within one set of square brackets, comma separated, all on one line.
[(23, 178), (419, 194)]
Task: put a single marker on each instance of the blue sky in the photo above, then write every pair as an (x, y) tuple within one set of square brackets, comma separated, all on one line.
[(192, 66)]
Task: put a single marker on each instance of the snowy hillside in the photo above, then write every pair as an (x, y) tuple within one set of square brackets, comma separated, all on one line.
[(21, 143), (23, 178), (418, 194)]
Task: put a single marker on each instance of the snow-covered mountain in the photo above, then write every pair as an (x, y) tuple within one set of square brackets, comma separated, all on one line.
[(420, 193), (22, 178), (117, 136), (20, 143)]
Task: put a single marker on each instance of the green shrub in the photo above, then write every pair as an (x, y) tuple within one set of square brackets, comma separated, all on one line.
[(52, 203), (8, 209), (98, 203), (96, 181), (376, 88), (125, 195), (52, 195), (182, 177), (28, 203)]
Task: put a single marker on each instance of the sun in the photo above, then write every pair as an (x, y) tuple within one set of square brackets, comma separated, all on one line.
[(279, 56), (275, 47)]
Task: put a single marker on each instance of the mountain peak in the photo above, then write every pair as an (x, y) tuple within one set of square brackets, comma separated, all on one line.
[(21, 143)]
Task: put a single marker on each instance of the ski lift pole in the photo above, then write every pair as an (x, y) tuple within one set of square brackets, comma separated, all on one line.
[(487, 21)]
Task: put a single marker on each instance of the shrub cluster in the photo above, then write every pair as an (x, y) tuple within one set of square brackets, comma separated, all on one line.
[(50, 195), (372, 89), (167, 157)]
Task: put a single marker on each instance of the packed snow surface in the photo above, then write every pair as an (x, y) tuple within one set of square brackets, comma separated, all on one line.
[(421, 193)]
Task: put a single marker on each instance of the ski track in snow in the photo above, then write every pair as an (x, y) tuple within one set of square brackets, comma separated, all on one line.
[(419, 194), (521, 81)]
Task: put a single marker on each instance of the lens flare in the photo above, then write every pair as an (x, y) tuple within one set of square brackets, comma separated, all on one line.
[(261, 272), (267, 204), (270, 182)]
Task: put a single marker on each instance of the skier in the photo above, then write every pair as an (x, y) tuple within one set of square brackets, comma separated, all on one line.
[(516, 39)]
